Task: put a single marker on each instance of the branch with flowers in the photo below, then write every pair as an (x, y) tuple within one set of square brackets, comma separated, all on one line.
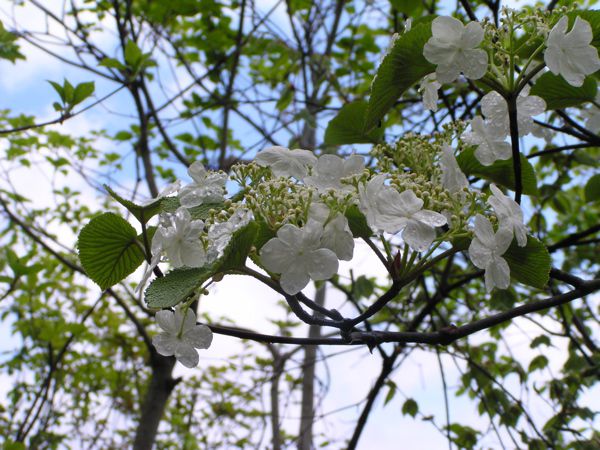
[(417, 201)]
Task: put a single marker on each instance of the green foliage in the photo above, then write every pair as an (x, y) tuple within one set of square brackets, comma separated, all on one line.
[(592, 189), (176, 286), (349, 125), (143, 213), (410, 407), (402, 66), (8, 48), (501, 172), (109, 249), (531, 264), (559, 94), (71, 96), (358, 223)]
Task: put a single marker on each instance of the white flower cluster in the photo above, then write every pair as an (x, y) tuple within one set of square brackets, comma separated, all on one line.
[(487, 247)]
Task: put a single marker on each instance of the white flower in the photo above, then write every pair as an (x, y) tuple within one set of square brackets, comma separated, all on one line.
[(452, 49), (486, 252), (491, 146), (169, 189), (330, 169), (570, 54), (495, 110), (509, 213), (453, 178), (297, 255), (181, 336), (429, 90), (286, 163), (179, 237), (208, 187), (337, 236), (388, 210), (219, 234)]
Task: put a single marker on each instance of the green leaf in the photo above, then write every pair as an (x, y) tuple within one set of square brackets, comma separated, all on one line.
[(142, 213), (8, 49), (69, 92), (557, 93), (133, 55), (391, 392), (538, 363), (263, 235), (349, 124), (503, 299), (501, 172), (200, 212), (529, 265), (108, 249), (358, 223), (237, 249), (410, 407), (112, 63), (592, 189), (59, 90), (176, 286), (402, 66), (83, 91)]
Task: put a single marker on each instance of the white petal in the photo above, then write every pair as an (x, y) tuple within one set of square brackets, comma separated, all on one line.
[(294, 279), (418, 235), (479, 254), (165, 344), (200, 336), (276, 256), (497, 273), (430, 218), (186, 354), (166, 321), (323, 264)]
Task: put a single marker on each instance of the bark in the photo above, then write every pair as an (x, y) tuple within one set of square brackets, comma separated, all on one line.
[(307, 413), (155, 402)]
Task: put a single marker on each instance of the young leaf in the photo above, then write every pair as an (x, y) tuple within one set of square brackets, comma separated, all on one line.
[(592, 189), (402, 66), (133, 55), (176, 286), (83, 91), (557, 93), (200, 212), (59, 90), (8, 49), (410, 407), (529, 265), (108, 249), (358, 223), (142, 213), (237, 249), (349, 124), (501, 172)]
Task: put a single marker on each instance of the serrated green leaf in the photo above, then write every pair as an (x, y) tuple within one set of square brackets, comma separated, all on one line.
[(402, 66), (410, 407), (142, 213), (349, 124), (557, 93), (592, 189), (503, 299), (540, 340), (200, 212), (529, 265), (176, 286), (108, 249), (358, 223), (236, 252), (501, 172), (263, 235)]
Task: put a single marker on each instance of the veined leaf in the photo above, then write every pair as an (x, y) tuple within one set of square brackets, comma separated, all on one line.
[(402, 66), (529, 265), (501, 172), (557, 93), (592, 189), (349, 125), (142, 213), (108, 249), (176, 286)]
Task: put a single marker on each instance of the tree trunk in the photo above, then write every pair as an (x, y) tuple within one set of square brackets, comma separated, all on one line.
[(160, 388)]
